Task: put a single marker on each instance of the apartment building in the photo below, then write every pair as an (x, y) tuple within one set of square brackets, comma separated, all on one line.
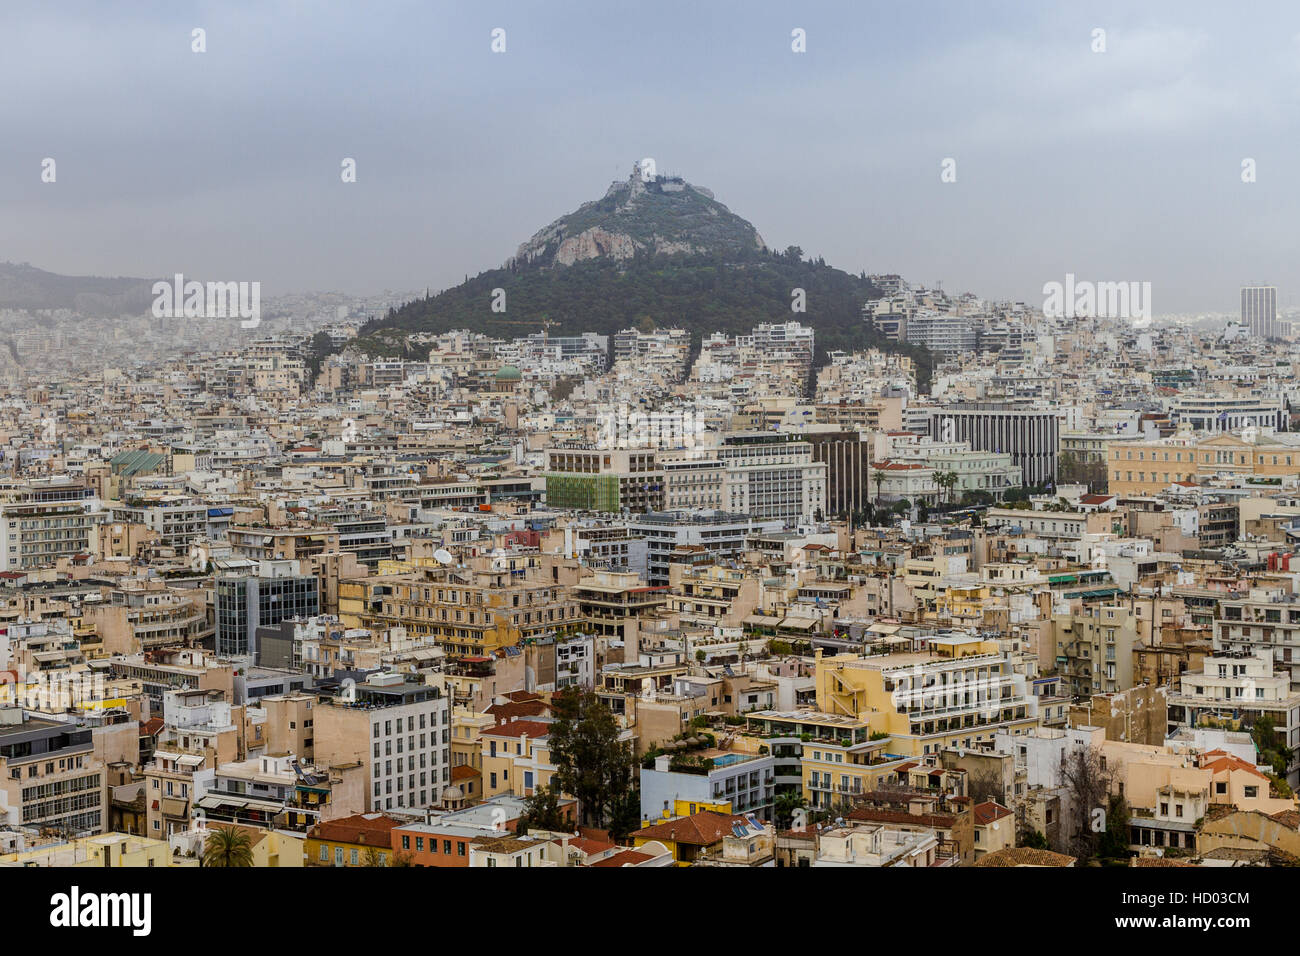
[(1233, 687), (959, 692), (746, 783), (516, 757), (42, 521), (398, 729), (50, 775), (772, 476), (176, 519), (1263, 622), (1094, 649), (473, 610)]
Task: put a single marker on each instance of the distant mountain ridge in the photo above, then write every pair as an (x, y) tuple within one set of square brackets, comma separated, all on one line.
[(23, 286)]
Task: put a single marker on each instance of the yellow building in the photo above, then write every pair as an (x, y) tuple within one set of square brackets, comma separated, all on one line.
[(105, 850), (959, 692), (465, 610), (516, 758), (363, 839), (1149, 467)]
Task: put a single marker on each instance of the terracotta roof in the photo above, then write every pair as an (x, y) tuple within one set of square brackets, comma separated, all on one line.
[(1024, 856), (940, 821), (698, 829), (626, 858), (516, 709), (1288, 818), (1229, 762), (519, 728), (988, 812), (368, 829), (1152, 862), (591, 846), (464, 772)]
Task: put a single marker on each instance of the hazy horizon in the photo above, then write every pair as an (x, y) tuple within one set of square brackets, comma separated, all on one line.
[(1123, 165)]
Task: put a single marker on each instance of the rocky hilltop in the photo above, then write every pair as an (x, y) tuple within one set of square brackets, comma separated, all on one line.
[(653, 214)]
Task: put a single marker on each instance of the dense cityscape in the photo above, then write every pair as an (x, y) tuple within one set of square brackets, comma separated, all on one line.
[(449, 437)]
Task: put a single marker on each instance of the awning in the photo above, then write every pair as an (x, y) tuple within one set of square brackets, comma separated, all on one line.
[(173, 807), (797, 623)]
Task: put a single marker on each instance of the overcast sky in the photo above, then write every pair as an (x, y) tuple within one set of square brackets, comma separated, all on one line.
[(1122, 165)]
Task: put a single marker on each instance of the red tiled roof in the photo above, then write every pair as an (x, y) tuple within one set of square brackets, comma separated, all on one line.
[(940, 821), (464, 772), (698, 829), (1024, 856), (519, 728), (516, 709), (366, 829), (590, 846), (1230, 762), (1288, 818), (626, 858), (521, 695), (989, 811)]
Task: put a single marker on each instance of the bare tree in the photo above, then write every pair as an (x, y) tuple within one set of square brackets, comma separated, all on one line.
[(985, 784), (1087, 783)]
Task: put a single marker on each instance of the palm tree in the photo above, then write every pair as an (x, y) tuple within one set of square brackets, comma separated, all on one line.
[(786, 804), (946, 480), (226, 846)]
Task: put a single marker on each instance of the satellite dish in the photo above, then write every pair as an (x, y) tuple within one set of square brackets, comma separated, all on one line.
[(443, 556)]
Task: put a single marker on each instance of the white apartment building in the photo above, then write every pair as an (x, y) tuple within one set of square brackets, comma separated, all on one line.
[(42, 521), (772, 476), (1234, 686), (403, 730)]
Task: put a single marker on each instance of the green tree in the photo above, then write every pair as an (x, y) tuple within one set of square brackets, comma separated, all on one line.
[(1114, 842), (784, 807), (1272, 749), (1035, 841), (542, 811), (318, 347), (227, 847), (591, 762)]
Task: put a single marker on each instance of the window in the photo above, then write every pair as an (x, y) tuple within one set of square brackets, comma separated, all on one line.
[(324, 853)]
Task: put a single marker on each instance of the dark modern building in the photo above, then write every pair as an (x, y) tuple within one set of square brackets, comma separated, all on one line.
[(246, 602)]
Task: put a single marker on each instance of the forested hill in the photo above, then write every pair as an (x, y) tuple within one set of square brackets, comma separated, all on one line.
[(660, 253)]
